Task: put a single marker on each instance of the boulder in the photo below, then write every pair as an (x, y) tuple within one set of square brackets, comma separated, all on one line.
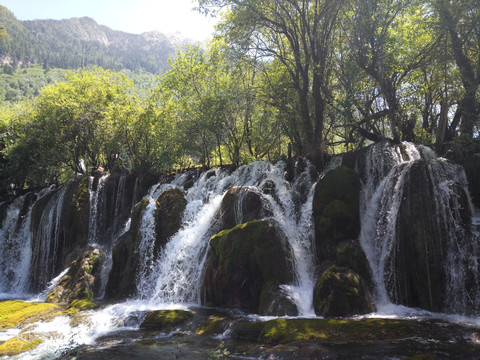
[(246, 265), (422, 239), (125, 259), (336, 210), (82, 279), (341, 292), (170, 207), (240, 205), (349, 254)]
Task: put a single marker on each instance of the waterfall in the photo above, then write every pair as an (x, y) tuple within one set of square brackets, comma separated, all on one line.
[(46, 241), (463, 247), (16, 249), (384, 175), (97, 198), (175, 277)]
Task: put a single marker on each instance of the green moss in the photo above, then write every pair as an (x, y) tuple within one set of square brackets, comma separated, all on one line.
[(14, 313), (341, 292), (161, 319), (245, 261), (337, 331), (81, 196), (211, 326), (84, 304), (18, 345)]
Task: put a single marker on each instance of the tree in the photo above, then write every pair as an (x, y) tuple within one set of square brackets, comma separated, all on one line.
[(461, 21), (74, 122), (390, 40), (298, 34)]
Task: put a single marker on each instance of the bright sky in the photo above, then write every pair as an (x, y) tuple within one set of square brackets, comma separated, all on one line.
[(133, 16)]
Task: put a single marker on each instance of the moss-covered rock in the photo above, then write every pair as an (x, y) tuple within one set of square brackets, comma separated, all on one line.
[(245, 264), (19, 344), (82, 279), (14, 313), (125, 259), (349, 254), (341, 292), (165, 319), (240, 205), (336, 210), (170, 207), (332, 331)]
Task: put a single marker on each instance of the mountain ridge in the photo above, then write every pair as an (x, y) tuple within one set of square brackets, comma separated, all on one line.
[(76, 42)]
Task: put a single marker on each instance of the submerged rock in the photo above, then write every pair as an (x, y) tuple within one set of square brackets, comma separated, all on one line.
[(246, 265), (341, 292), (82, 279)]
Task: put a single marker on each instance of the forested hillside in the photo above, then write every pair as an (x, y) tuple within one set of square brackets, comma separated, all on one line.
[(77, 42)]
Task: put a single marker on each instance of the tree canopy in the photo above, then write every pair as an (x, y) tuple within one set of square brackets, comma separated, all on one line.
[(279, 79)]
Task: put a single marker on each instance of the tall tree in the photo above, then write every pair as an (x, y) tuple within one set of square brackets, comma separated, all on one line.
[(298, 34), (389, 40), (461, 20)]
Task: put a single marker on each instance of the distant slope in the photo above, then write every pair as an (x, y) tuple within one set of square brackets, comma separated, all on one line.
[(77, 42)]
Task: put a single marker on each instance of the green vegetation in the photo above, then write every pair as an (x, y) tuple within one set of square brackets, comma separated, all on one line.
[(163, 319), (19, 344), (14, 313), (281, 78)]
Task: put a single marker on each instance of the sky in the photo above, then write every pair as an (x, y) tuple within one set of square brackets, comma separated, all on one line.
[(132, 16)]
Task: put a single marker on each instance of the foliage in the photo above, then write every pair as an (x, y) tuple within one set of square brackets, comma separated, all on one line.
[(280, 78)]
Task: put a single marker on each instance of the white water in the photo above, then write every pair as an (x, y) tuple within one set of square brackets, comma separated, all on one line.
[(16, 248), (46, 241), (96, 204), (176, 276), (386, 170)]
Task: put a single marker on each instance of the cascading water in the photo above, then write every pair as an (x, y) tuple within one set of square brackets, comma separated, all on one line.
[(96, 204), (385, 174), (46, 242), (176, 275), (15, 249)]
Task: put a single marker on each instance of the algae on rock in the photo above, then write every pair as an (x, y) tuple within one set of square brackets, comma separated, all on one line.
[(247, 263)]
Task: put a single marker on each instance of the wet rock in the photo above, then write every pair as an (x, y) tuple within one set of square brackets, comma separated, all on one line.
[(349, 254), (245, 264), (165, 319), (423, 237), (81, 281), (170, 207), (125, 259), (336, 210), (341, 292), (240, 205), (472, 170), (276, 302)]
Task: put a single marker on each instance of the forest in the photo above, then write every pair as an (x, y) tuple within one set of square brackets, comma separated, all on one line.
[(280, 78)]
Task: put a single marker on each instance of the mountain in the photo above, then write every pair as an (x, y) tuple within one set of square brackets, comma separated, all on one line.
[(77, 42)]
